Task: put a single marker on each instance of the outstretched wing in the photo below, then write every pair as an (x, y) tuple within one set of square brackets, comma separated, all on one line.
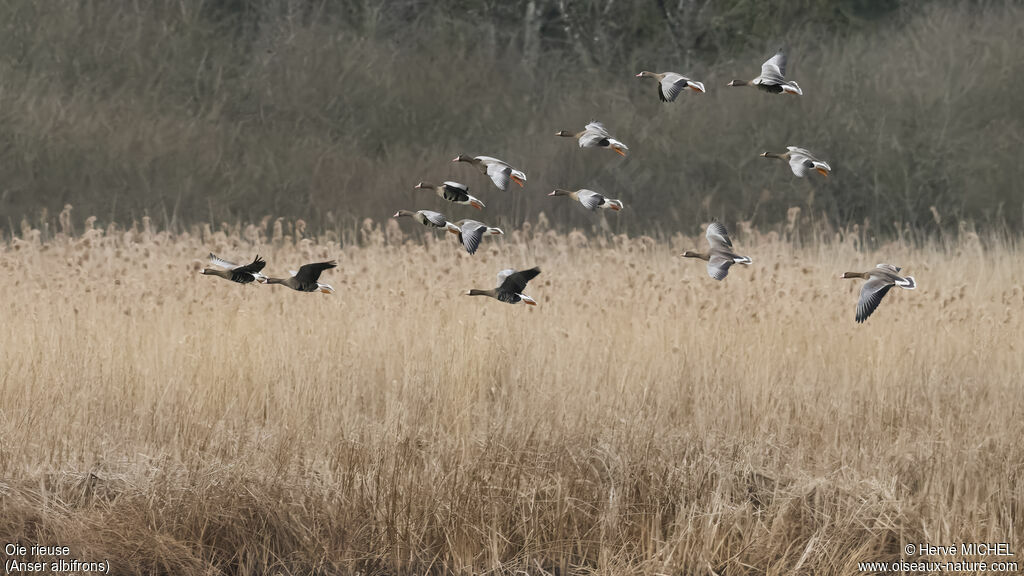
[(591, 200), (718, 266), (491, 160), (435, 218), (248, 272), (309, 273), (216, 261), (515, 283), (593, 135), (718, 236), (672, 85), (597, 128), (773, 71), (801, 151), (871, 296), (500, 174), (455, 192), (470, 234), (456, 186), (504, 274), (799, 164)]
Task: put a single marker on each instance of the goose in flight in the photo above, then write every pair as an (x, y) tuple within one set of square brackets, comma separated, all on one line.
[(498, 171), (671, 84), (235, 273), (595, 135), (306, 279), (591, 200), (720, 257), (453, 192), (800, 160), (879, 280), (510, 287), (773, 77), (426, 217), (470, 232)]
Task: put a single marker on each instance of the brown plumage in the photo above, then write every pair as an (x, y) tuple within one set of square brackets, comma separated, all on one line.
[(511, 284), (800, 161), (234, 272), (453, 192), (773, 77), (595, 135), (672, 84), (720, 256), (589, 199), (306, 279), (880, 280), (499, 171), (426, 217)]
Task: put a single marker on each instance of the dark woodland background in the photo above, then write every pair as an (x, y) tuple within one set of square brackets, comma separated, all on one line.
[(330, 111)]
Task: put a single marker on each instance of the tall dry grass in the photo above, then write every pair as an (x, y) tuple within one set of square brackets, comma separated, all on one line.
[(643, 419)]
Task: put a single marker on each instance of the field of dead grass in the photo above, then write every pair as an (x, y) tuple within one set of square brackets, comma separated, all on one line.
[(643, 419)]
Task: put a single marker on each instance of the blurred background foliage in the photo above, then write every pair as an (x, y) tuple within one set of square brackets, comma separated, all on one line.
[(331, 111)]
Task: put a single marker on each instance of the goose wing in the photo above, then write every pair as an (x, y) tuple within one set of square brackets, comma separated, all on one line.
[(217, 261), (718, 266), (773, 71), (470, 234), (871, 295), (718, 236), (801, 152), (799, 164), (504, 274), (249, 272), (597, 128), (500, 173), (889, 268), (435, 218), (491, 160), (671, 86), (455, 192), (593, 135), (591, 200), (310, 273), (513, 284)]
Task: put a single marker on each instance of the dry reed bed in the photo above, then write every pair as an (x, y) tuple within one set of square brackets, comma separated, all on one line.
[(642, 419)]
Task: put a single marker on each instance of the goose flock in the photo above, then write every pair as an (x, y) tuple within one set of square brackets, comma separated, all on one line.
[(720, 255)]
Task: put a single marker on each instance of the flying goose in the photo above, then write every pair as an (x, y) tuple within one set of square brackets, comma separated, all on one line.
[(425, 217), (595, 135), (773, 77), (591, 200), (800, 160), (720, 256), (671, 84), (879, 280), (305, 280), (234, 272), (453, 192), (510, 287), (499, 171), (470, 232)]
